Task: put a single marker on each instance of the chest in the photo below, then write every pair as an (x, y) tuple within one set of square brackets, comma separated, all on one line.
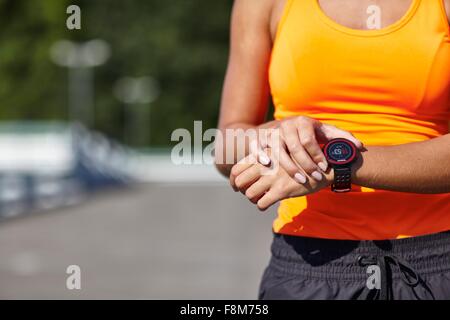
[(355, 14), (365, 14), (325, 54)]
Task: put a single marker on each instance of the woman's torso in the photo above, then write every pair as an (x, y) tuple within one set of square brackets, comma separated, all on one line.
[(388, 86)]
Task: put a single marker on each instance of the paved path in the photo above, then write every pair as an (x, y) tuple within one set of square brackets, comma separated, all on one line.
[(153, 242)]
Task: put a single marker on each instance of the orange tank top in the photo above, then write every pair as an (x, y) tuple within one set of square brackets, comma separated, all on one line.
[(388, 87)]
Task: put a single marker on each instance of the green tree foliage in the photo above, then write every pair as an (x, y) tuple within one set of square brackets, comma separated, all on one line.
[(181, 43), (30, 85)]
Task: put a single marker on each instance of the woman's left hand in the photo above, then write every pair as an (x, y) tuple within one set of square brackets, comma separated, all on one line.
[(266, 186)]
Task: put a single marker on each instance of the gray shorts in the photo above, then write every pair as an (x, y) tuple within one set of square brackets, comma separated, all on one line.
[(321, 269)]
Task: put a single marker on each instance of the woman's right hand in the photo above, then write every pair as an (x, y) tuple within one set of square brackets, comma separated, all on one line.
[(296, 146)]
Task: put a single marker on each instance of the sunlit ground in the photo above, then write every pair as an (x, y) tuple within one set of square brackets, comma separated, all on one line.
[(160, 241)]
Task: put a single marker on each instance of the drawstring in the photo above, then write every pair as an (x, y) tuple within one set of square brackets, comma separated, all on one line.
[(408, 274)]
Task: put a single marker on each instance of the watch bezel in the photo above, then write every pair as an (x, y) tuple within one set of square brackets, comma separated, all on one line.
[(341, 162)]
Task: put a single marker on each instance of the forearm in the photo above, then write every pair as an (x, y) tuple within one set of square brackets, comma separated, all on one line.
[(422, 167), (237, 149)]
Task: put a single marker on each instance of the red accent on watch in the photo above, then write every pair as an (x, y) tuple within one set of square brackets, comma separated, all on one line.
[(347, 142), (342, 167)]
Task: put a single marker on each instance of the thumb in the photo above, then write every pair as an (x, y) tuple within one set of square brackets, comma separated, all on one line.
[(330, 132), (257, 151)]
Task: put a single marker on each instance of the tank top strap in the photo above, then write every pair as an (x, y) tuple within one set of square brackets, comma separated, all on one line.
[(434, 11), (296, 13)]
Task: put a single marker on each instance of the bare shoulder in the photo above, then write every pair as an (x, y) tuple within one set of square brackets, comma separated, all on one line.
[(249, 25), (257, 15), (447, 8), (253, 10)]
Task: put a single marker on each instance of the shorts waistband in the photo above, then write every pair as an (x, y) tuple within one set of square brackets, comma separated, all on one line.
[(325, 258)]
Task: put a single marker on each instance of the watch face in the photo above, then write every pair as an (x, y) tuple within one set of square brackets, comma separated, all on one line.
[(340, 151)]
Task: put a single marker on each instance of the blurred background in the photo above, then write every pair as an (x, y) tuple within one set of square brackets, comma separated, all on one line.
[(86, 176)]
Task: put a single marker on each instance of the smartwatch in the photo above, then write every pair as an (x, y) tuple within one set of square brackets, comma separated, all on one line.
[(341, 154)]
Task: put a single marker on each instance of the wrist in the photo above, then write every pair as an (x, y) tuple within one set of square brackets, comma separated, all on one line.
[(329, 176), (356, 166)]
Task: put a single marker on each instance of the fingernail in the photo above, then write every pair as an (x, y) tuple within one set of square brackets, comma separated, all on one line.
[(317, 175), (323, 166), (300, 178), (264, 159)]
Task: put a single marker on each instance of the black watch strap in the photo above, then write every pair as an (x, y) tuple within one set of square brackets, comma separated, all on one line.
[(342, 179)]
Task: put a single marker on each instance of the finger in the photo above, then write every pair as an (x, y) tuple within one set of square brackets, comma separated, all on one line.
[(248, 177), (260, 145), (268, 200), (258, 189), (307, 134), (279, 155), (240, 167), (256, 149), (304, 161), (330, 132), (298, 153)]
